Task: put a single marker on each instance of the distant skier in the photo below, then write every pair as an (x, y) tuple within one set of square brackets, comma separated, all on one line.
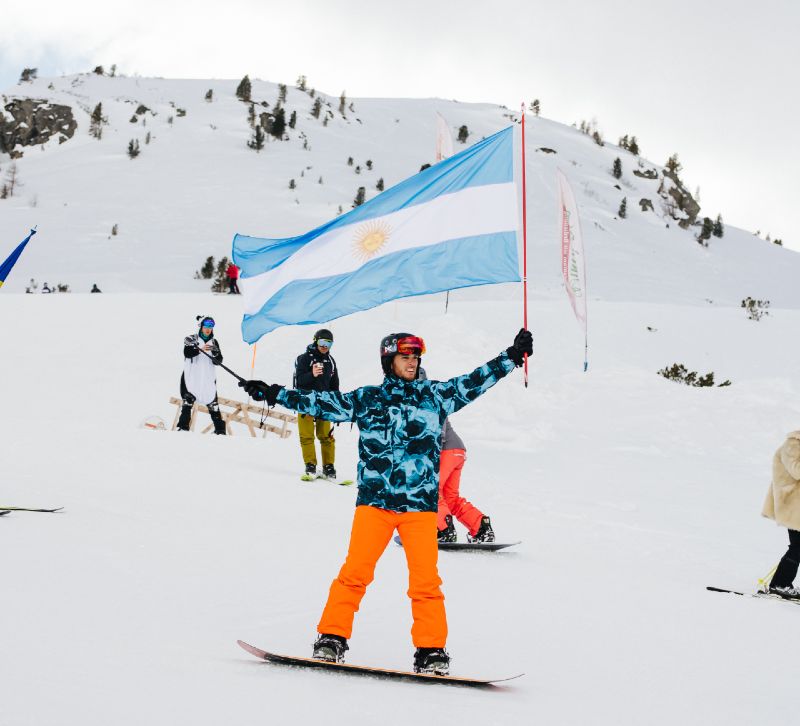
[(783, 505), (233, 279), (95, 288), (46, 288), (199, 379), (400, 424), (451, 503), (315, 370)]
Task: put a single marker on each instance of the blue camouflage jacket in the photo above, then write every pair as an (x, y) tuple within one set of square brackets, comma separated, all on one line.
[(400, 424)]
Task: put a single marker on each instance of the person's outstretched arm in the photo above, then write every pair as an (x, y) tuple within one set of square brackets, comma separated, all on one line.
[(461, 390), (328, 405)]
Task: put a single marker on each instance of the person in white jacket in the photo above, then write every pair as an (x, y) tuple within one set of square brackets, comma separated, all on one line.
[(199, 379), (783, 505)]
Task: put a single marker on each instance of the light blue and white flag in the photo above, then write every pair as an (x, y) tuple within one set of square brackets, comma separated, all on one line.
[(452, 225)]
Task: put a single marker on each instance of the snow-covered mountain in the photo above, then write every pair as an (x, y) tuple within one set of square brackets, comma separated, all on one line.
[(630, 493), (196, 183)]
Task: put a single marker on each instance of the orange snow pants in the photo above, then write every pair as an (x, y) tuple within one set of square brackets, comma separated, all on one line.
[(372, 530), (450, 501)]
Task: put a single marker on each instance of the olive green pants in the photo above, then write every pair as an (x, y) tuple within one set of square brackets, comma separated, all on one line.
[(306, 427)]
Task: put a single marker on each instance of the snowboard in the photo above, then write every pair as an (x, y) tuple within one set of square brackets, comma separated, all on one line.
[(349, 669), (5, 511), (314, 477), (470, 546), (25, 509), (760, 595)]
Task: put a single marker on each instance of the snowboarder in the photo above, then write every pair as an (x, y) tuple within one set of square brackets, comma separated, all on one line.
[(95, 288), (199, 380), (451, 503), (400, 424), (233, 279), (315, 370), (783, 505)]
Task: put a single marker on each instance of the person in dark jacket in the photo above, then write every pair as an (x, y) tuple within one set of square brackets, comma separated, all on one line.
[(199, 379), (400, 431), (315, 370)]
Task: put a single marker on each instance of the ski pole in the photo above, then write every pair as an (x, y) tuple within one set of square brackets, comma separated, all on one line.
[(221, 365)]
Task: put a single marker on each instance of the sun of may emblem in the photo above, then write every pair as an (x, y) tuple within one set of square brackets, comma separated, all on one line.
[(370, 238)]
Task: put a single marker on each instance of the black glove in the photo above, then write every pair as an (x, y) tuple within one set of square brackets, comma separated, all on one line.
[(523, 343), (260, 391)]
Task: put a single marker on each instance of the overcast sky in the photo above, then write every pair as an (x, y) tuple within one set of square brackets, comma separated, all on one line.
[(712, 80)]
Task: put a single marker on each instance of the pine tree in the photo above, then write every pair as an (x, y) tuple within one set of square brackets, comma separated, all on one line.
[(623, 142), (342, 103), (719, 230), (301, 82), (316, 108), (257, 141), (281, 93), (244, 89), (349, 161), (369, 164), (292, 184), (379, 185), (28, 75), (207, 270), (251, 116), (623, 208), (463, 133), (279, 124), (706, 231), (133, 148), (616, 171), (535, 107), (96, 125), (99, 70), (360, 197), (12, 181), (673, 165), (633, 146), (292, 119)]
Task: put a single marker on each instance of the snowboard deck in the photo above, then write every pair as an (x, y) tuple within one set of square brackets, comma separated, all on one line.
[(5, 511), (340, 482), (470, 546), (25, 509), (759, 595), (388, 673)]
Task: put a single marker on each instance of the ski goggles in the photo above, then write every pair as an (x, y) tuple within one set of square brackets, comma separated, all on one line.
[(409, 345), (322, 343), (207, 323)]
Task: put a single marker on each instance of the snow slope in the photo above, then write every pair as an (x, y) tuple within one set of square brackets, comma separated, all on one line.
[(196, 184), (630, 493)]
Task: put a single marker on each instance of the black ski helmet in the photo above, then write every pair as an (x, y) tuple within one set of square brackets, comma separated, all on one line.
[(389, 350), (323, 334)]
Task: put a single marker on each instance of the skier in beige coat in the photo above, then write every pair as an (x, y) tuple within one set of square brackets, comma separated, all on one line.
[(783, 505)]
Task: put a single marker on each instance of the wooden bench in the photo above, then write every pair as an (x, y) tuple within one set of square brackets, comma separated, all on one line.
[(238, 412)]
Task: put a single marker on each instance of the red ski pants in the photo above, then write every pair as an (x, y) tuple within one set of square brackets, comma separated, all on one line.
[(450, 501), (372, 530)]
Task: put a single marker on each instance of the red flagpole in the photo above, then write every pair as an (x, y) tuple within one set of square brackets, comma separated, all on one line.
[(524, 244)]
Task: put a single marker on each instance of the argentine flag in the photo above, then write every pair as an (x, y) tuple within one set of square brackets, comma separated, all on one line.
[(452, 225)]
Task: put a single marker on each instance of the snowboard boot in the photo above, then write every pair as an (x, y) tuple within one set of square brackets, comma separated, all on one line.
[(216, 419), (185, 418), (311, 469), (485, 532), (330, 648), (789, 592), (434, 661), (329, 472), (448, 534)]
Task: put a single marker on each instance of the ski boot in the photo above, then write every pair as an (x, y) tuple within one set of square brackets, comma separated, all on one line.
[(485, 532), (434, 661), (448, 534), (789, 592), (310, 472), (329, 472), (330, 648)]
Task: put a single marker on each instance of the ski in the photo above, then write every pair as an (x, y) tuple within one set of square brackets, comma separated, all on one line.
[(470, 546), (25, 509), (349, 669), (760, 595)]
